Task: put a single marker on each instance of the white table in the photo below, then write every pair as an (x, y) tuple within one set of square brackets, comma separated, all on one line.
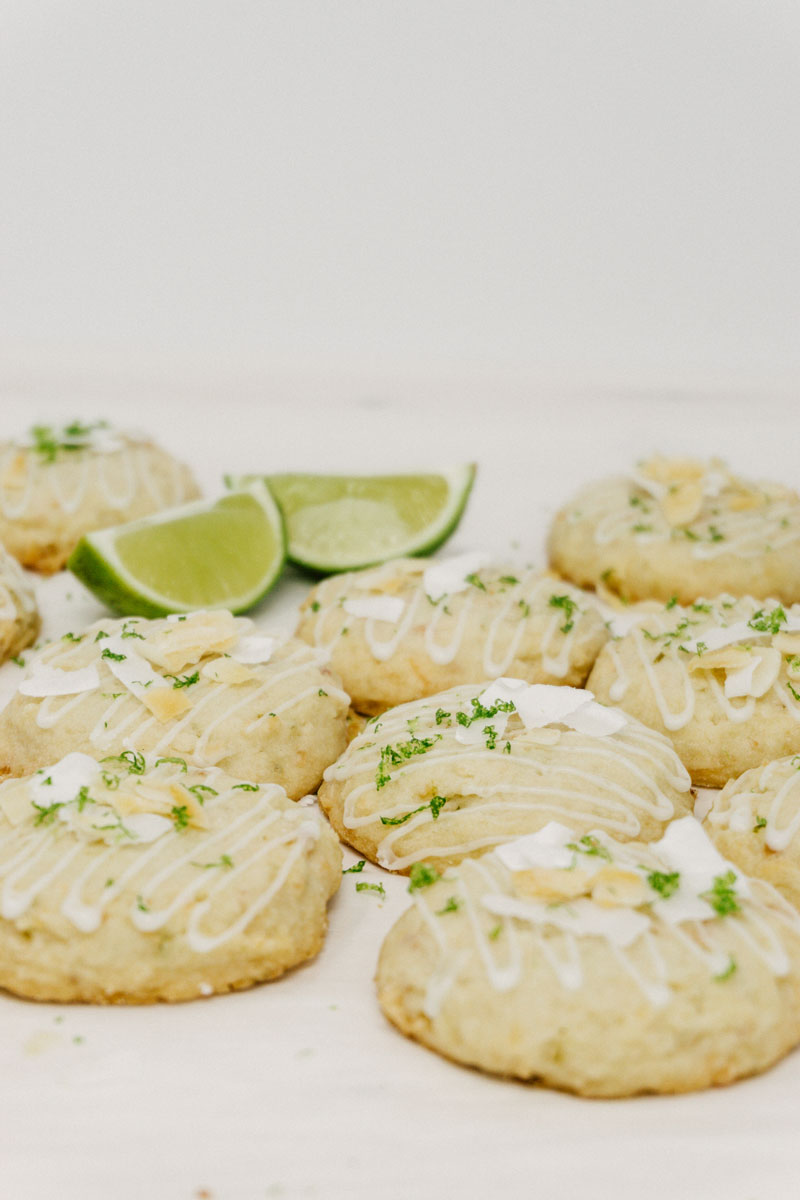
[(300, 1088)]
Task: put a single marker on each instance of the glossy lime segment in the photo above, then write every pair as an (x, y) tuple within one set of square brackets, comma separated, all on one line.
[(219, 554), (341, 522)]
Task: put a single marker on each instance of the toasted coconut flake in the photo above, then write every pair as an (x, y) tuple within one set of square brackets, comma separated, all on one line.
[(615, 887), (787, 643), (141, 798), (183, 798), (166, 703), (745, 499), (725, 659), (543, 737), (184, 643), (683, 502), (672, 470), (227, 670), (15, 803), (15, 472), (552, 883)]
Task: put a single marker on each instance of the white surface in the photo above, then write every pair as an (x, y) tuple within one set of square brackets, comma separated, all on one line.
[(299, 1088), (565, 191)]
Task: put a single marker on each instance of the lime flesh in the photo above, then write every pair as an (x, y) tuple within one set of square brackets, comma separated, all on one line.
[(210, 554), (343, 522)]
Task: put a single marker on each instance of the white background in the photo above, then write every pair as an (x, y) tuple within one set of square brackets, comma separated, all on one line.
[(550, 237), (555, 191)]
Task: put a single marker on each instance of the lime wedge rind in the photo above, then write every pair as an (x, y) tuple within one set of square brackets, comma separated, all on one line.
[(321, 556), (97, 563)]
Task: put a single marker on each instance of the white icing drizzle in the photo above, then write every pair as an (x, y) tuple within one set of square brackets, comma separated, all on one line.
[(667, 642), (717, 530), (440, 627), (645, 760), (302, 838), (483, 891), (119, 467), (167, 877)]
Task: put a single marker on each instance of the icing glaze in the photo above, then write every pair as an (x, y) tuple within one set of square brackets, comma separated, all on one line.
[(436, 625), (159, 858), (485, 891), (154, 708)]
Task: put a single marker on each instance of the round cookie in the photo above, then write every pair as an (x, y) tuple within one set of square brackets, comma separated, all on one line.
[(64, 481), (134, 880), (721, 679), (603, 968), (19, 616), (475, 766), (412, 628), (755, 820), (679, 527), (208, 687)]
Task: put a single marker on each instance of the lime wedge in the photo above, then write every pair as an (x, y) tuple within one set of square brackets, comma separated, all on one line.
[(223, 553), (343, 522)]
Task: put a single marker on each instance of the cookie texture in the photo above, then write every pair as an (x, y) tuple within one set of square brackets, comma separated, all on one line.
[(458, 773), (134, 880), (209, 687), (721, 678), (755, 822), (19, 616), (603, 968), (683, 528), (62, 482), (412, 628)]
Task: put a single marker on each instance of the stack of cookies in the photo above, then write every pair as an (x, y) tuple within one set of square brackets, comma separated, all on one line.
[(523, 745), (151, 843)]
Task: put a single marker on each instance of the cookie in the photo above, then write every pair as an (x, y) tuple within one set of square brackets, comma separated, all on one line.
[(683, 528), (603, 968), (61, 482), (478, 765), (133, 880), (755, 822), (412, 628), (721, 678), (208, 687), (19, 616)]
